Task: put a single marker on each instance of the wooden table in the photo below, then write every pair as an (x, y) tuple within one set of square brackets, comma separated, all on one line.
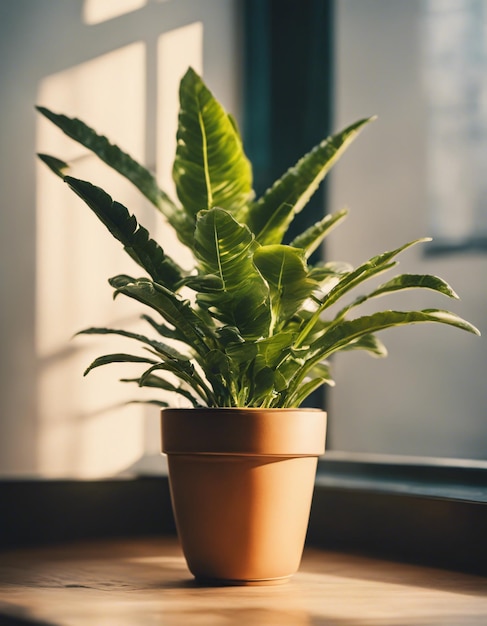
[(145, 583)]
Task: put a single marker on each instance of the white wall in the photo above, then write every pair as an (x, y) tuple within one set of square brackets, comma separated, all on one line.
[(118, 68), (429, 396)]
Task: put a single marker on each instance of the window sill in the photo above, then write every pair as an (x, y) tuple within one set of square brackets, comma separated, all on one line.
[(427, 513), (421, 511), (145, 581), (450, 479)]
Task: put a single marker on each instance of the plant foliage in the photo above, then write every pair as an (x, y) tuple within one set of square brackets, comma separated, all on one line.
[(257, 329)]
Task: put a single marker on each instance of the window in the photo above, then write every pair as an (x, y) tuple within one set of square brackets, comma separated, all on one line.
[(428, 398), (455, 74)]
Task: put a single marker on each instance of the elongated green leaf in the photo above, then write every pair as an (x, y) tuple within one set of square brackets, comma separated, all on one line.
[(163, 329), (124, 227), (369, 343), (300, 182), (162, 349), (204, 283), (220, 371), (312, 237), (272, 232), (228, 335), (173, 309), (242, 353), (328, 275), (322, 370), (117, 358), (224, 248), (305, 390), (415, 281), (123, 163), (217, 363), (318, 375), (157, 382), (263, 386), (370, 268), (187, 374), (60, 168), (374, 266), (284, 268), (160, 403), (346, 332), (274, 349), (401, 283), (210, 168)]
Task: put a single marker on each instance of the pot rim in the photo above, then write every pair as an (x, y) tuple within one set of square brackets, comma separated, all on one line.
[(244, 431), (242, 408)]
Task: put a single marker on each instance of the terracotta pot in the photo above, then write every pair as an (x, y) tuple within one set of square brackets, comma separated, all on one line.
[(241, 485)]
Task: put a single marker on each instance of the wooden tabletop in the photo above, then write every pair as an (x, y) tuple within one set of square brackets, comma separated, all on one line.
[(145, 583)]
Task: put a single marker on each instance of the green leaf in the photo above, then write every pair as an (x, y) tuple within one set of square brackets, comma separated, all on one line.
[(123, 163), (204, 283), (369, 343), (274, 349), (157, 382), (400, 283), (324, 273), (219, 371), (158, 403), (60, 168), (124, 227), (178, 312), (284, 268), (186, 373), (217, 363), (228, 335), (263, 386), (415, 281), (346, 332), (241, 353), (312, 237), (327, 275), (291, 193), (322, 370), (162, 349), (272, 232), (210, 168), (318, 375), (374, 266), (224, 248), (116, 358), (162, 329), (305, 390)]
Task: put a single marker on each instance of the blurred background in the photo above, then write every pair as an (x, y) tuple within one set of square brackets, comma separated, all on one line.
[(421, 66)]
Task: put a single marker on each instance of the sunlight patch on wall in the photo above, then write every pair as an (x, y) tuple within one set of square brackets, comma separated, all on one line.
[(96, 11), (75, 257), (177, 50)]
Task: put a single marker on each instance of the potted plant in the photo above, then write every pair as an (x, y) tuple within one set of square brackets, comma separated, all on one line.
[(244, 337)]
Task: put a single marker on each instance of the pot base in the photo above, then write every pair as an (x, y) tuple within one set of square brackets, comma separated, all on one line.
[(258, 582)]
